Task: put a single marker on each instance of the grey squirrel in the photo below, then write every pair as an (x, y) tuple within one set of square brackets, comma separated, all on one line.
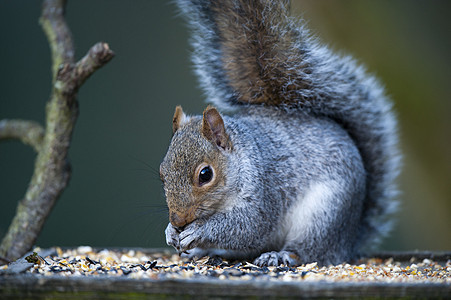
[(304, 168)]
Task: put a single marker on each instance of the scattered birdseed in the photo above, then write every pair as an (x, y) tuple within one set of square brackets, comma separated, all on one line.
[(86, 261)]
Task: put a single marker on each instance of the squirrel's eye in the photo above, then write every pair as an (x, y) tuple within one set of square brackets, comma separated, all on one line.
[(205, 175)]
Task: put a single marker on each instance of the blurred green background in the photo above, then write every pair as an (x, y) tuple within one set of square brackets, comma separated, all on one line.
[(115, 197)]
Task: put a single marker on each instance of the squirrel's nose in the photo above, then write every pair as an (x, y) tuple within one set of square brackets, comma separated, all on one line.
[(177, 220)]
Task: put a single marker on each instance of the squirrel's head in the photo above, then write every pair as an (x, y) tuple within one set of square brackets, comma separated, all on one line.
[(193, 170)]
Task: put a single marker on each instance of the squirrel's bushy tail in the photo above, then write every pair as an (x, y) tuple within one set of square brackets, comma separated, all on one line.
[(251, 52)]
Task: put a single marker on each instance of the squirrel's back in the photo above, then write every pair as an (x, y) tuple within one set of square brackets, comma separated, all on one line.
[(253, 53)]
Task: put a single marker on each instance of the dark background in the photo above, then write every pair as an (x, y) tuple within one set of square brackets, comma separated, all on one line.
[(115, 198)]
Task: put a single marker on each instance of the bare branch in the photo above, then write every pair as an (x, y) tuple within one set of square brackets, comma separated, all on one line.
[(58, 34), (52, 168), (29, 132), (74, 75), (96, 57)]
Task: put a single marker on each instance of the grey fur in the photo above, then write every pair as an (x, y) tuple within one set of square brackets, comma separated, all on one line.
[(306, 121)]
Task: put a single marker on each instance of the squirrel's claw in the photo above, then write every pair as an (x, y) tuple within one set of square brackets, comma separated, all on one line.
[(274, 258)]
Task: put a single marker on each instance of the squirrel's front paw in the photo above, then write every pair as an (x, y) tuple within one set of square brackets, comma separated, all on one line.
[(172, 237), (190, 237)]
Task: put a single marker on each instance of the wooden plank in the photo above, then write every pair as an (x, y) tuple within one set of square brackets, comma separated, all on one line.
[(109, 287)]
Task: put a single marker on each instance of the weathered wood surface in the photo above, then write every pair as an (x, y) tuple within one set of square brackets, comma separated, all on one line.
[(56, 286), (17, 284)]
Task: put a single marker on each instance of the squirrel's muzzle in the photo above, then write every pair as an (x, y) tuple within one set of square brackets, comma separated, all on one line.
[(180, 220)]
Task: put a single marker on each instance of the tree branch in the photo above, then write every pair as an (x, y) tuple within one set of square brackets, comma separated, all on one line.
[(71, 76), (96, 57), (29, 132), (52, 168), (58, 34)]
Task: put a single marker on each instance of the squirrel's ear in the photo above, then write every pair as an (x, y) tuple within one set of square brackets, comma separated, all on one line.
[(213, 128), (178, 119)]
